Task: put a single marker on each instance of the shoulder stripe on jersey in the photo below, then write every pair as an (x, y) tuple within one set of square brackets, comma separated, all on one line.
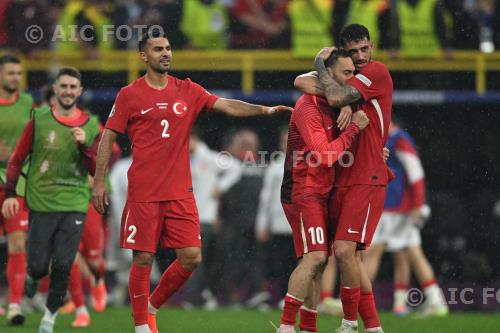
[(380, 115), (367, 82)]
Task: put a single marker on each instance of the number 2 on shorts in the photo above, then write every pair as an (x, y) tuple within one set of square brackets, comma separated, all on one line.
[(133, 230)]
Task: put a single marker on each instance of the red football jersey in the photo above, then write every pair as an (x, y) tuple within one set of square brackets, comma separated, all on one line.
[(375, 85), (159, 123), (312, 150)]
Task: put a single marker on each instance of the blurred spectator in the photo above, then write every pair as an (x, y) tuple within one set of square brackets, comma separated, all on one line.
[(272, 229), (259, 24), (211, 26), (423, 28), (168, 14), (465, 28), (210, 181), (3, 27), (311, 24), (242, 269), (18, 17), (83, 14), (367, 13), (126, 13), (486, 14)]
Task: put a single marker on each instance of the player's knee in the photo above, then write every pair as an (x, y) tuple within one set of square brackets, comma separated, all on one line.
[(191, 261), (318, 260), (344, 254), (143, 259), (17, 242)]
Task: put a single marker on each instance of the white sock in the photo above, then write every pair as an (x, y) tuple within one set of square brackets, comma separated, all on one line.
[(142, 329), (400, 297), (434, 294), (49, 317), (81, 310), (152, 309), (351, 323)]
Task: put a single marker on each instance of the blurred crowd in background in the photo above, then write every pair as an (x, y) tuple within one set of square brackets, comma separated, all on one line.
[(301, 25)]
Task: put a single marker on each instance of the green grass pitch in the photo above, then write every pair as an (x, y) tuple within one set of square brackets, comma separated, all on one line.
[(119, 320)]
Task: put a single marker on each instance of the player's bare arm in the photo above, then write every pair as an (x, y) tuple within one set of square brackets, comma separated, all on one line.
[(309, 83), (237, 108), (99, 192), (337, 94)]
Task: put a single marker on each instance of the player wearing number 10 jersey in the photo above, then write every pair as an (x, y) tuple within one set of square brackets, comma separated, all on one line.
[(158, 111)]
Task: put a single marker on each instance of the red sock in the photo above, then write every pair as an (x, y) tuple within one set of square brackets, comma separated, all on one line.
[(75, 286), (292, 306), (173, 278), (368, 310), (350, 302), (43, 287), (325, 294), (138, 287), (428, 283), (16, 274), (308, 318)]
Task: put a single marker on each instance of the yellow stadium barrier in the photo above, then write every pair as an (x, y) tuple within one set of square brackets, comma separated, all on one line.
[(247, 62)]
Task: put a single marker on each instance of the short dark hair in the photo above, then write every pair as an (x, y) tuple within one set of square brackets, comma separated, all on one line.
[(70, 71), (9, 59), (151, 33), (353, 33), (332, 59)]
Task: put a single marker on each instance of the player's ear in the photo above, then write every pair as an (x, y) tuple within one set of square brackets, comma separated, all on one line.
[(143, 56)]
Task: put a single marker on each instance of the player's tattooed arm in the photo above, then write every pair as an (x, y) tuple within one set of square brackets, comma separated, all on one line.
[(336, 94), (237, 108), (309, 83), (99, 191)]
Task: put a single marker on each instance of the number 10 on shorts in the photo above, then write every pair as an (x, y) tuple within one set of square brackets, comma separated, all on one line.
[(317, 235)]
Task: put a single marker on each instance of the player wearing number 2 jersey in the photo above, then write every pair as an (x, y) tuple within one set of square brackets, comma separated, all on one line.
[(158, 111)]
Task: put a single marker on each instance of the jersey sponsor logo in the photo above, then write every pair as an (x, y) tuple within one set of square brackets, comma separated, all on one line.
[(162, 106), (180, 108), (352, 231), (367, 82), (330, 127), (146, 111)]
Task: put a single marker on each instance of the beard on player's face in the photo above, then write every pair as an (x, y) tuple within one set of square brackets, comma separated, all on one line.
[(10, 87), (161, 66), (66, 102)]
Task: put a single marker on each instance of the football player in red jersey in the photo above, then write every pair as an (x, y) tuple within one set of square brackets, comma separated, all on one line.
[(358, 199), (313, 149), (158, 111)]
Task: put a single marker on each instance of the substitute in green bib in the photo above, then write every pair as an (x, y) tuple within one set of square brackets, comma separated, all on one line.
[(15, 110), (61, 145)]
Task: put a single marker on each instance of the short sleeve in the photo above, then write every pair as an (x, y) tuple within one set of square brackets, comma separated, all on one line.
[(118, 117), (372, 81), (203, 99)]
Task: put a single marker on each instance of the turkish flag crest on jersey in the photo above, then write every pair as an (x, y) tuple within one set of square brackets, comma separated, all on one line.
[(180, 108)]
